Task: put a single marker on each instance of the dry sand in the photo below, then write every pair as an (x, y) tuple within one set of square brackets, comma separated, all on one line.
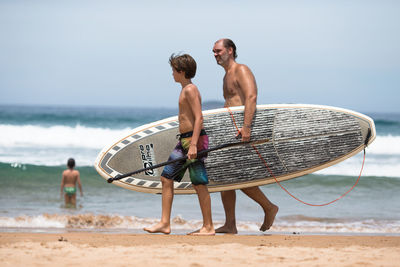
[(99, 249)]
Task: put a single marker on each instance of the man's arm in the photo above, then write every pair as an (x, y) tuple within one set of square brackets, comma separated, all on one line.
[(247, 84), (194, 102)]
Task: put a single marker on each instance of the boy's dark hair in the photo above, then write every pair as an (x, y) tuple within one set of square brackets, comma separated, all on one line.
[(184, 63), (229, 43), (71, 163)]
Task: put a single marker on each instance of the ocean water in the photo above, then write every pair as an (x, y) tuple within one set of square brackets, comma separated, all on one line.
[(36, 141)]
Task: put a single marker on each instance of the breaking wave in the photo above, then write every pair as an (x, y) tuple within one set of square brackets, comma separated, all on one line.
[(300, 224)]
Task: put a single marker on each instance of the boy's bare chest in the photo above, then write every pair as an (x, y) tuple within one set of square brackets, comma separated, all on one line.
[(182, 99)]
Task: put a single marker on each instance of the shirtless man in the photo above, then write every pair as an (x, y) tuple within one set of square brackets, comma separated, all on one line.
[(240, 89), (68, 184), (193, 138)]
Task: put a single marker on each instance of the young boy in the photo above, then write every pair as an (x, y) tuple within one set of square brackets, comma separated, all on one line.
[(192, 139), (68, 184)]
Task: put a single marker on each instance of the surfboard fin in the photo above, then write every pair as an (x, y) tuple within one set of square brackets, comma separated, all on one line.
[(367, 137)]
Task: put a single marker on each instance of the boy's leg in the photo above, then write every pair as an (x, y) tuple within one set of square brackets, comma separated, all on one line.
[(167, 198), (164, 225), (205, 206), (73, 200), (69, 201), (66, 199)]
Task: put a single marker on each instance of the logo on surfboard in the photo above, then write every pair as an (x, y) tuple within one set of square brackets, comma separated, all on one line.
[(148, 158)]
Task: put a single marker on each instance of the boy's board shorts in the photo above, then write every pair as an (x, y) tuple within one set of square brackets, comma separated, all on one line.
[(197, 170)]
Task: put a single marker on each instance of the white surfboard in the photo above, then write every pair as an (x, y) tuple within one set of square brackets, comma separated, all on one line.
[(293, 139)]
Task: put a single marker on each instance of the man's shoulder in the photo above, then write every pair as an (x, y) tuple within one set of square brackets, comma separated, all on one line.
[(242, 68), (243, 72)]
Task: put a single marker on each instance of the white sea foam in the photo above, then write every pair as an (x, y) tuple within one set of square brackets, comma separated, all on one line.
[(385, 145), (382, 159), (115, 222), (363, 227), (373, 166), (50, 146), (40, 221), (26, 136)]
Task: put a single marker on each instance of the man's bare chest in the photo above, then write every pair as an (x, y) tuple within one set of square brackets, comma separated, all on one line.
[(231, 86)]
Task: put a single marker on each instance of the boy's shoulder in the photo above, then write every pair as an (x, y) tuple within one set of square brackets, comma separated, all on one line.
[(68, 171), (190, 86), (190, 89)]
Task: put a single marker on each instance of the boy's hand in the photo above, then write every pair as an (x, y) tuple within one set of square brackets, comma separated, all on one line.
[(192, 153)]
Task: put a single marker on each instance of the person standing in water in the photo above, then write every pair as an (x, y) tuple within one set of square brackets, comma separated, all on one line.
[(68, 184)]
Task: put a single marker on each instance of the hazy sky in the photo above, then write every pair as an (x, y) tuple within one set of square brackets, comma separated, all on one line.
[(340, 53)]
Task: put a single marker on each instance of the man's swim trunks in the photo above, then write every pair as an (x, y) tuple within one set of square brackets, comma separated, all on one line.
[(70, 191), (197, 170)]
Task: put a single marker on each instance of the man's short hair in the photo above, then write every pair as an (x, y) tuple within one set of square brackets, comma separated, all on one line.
[(184, 63), (229, 43), (71, 163)]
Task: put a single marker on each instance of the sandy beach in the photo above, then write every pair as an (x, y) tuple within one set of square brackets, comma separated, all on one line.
[(93, 249)]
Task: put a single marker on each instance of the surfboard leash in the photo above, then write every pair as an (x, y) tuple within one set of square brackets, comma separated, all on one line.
[(287, 191)]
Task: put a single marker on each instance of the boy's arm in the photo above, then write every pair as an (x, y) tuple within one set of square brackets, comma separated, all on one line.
[(79, 184), (194, 102), (62, 184), (248, 86)]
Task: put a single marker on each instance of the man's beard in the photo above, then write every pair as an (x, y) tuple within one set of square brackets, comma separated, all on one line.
[(222, 60)]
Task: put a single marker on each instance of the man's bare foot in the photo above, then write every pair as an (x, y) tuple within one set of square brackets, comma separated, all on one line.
[(203, 232), (269, 218), (159, 228), (226, 230)]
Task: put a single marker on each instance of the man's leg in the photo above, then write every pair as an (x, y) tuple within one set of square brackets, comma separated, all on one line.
[(229, 202), (270, 210), (164, 226)]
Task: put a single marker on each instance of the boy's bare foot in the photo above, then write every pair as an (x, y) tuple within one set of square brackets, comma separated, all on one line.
[(269, 218), (225, 229), (159, 228), (203, 232)]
